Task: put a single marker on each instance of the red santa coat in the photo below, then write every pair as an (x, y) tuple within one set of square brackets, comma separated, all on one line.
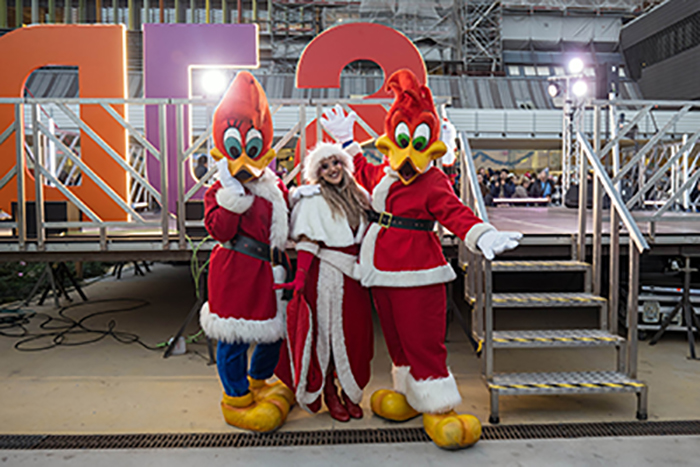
[(341, 315), (405, 268), (242, 306), (397, 257)]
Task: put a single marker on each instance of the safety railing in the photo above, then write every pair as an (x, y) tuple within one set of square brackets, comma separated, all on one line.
[(157, 163), (650, 155), (478, 273), (602, 183)]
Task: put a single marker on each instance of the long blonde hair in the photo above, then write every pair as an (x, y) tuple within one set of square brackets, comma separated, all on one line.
[(346, 198)]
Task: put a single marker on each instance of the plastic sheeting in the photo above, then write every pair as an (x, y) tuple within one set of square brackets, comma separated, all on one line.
[(625, 5), (417, 8), (548, 32)]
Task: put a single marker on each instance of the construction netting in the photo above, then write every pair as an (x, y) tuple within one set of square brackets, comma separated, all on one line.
[(623, 5)]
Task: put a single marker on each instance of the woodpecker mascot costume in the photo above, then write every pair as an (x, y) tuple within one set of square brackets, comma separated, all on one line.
[(246, 212), (401, 258)]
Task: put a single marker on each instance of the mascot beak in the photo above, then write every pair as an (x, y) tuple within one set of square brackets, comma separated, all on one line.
[(409, 163), (243, 167)]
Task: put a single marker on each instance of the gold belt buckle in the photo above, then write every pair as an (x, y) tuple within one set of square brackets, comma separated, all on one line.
[(385, 219)]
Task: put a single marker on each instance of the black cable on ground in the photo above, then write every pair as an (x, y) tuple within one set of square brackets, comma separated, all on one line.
[(57, 330)]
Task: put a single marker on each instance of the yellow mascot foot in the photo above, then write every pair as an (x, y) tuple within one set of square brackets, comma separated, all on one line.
[(262, 390), (246, 413), (392, 405), (452, 431)]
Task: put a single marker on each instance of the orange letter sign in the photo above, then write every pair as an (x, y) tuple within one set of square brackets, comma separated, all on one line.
[(99, 52)]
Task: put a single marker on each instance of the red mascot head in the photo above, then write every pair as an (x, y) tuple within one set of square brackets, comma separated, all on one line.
[(412, 128), (243, 128)]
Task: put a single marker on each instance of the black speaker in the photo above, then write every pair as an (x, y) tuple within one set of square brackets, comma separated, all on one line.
[(607, 80), (194, 211), (54, 211)]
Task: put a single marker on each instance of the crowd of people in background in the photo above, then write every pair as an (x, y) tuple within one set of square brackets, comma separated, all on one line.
[(536, 188)]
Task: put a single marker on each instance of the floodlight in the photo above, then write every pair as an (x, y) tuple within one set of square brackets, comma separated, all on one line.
[(575, 66), (214, 82), (553, 90), (580, 88)]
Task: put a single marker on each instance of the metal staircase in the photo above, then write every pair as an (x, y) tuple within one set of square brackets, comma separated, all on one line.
[(479, 292)]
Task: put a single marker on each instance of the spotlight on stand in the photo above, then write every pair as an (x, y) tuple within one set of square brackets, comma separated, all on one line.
[(553, 90), (575, 66), (214, 82), (579, 88)]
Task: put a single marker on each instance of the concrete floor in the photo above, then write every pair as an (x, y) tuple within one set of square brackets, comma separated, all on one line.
[(109, 387)]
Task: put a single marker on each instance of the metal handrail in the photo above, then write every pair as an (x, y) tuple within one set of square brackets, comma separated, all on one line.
[(469, 171), (185, 151), (615, 198)]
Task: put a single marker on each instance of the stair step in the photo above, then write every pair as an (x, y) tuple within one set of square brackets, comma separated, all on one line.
[(555, 338), (587, 382), (546, 300), (515, 266)]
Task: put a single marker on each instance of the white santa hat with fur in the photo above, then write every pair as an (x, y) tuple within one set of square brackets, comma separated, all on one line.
[(321, 152)]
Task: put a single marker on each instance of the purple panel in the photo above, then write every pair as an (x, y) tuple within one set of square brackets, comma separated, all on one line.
[(168, 52)]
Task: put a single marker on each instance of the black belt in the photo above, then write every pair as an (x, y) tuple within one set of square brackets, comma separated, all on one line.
[(387, 220), (259, 250)]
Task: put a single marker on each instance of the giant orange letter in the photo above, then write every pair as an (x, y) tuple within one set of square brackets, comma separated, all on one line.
[(99, 52)]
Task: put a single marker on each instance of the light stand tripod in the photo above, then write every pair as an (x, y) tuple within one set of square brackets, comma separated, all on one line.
[(689, 315), (190, 316), (52, 278)]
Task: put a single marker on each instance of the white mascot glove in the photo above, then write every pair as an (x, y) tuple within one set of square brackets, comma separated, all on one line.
[(339, 125), (227, 180), (304, 191), (448, 135), (494, 242)]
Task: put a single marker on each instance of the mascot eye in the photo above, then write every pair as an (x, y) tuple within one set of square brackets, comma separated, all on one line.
[(254, 143), (232, 142), (421, 137), (402, 136)]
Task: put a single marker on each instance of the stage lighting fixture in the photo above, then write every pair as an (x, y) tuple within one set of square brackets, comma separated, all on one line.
[(553, 90), (579, 88), (575, 66), (214, 82)]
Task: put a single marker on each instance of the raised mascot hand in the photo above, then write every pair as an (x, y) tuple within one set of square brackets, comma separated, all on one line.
[(339, 125), (227, 180)]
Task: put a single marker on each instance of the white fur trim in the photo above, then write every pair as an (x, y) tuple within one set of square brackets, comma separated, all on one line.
[(304, 398), (399, 374), (266, 187), (381, 190), (332, 286), (231, 200), (371, 276), (433, 395), (345, 263), (473, 235), (330, 331), (322, 151), (309, 247), (232, 330), (312, 218)]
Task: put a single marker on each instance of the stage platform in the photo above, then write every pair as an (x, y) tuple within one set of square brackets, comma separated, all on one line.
[(548, 232)]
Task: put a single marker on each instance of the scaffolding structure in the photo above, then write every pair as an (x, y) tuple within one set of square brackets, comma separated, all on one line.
[(482, 45), (453, 36)]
